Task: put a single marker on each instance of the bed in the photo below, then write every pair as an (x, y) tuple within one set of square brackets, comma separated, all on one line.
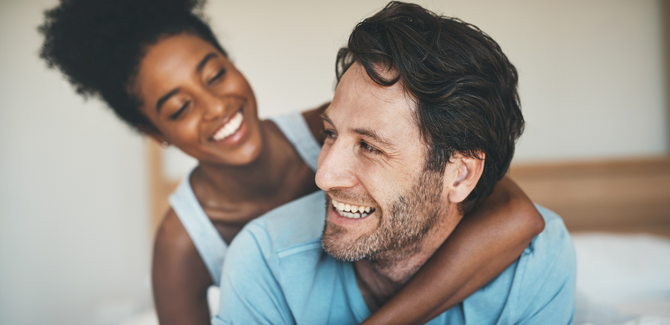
[(618, 213)]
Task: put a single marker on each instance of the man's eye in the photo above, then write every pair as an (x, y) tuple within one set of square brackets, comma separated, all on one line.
[(369, 149), (217, 76), (181, 110), (330, 134)]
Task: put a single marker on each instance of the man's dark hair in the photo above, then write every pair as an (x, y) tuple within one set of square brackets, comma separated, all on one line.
[(98, 44), (464, 86)]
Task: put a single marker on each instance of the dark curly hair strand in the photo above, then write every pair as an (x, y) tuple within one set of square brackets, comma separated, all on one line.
[(98, 44)]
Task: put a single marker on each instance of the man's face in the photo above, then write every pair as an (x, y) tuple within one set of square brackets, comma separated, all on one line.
[(380, 199)]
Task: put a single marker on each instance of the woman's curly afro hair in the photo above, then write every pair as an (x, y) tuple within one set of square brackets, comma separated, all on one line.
[(98, 44)]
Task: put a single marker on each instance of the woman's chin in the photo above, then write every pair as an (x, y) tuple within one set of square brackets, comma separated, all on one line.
[(246, 153)]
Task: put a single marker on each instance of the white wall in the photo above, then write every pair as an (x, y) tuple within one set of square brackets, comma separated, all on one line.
[(74, 237), (591, 72), (74, 243)]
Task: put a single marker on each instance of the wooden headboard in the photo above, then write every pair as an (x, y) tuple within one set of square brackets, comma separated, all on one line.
[(609, 195)]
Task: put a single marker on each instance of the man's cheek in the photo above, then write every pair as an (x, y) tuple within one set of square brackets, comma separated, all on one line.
[(379, 187)]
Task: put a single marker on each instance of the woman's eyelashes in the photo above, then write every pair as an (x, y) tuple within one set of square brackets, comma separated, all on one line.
[(181, 110), (217, 76), (210, 82)]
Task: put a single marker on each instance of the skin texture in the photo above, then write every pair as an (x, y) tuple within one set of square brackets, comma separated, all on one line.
[(371, 158), (237, 181)]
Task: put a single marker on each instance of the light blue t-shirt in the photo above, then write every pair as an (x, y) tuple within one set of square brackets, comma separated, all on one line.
[(276, 272)]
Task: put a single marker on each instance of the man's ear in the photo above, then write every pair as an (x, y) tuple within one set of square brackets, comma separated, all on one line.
[(468, 171)]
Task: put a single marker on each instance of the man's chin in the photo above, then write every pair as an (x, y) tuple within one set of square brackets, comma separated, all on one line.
[(341, 244)]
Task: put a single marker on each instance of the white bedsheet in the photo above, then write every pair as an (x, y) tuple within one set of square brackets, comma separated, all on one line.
[(621, 279)]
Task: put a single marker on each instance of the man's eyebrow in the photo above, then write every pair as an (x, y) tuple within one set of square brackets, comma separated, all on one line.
[(207, 57), (363, 131), (373, 135), (164, 99), (325, 117)]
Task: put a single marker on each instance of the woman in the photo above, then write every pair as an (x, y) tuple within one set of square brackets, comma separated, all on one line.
[(162, 71)]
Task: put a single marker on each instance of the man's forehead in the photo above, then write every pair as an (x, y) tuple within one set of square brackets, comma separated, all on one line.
[(359, 86), (363, 103)]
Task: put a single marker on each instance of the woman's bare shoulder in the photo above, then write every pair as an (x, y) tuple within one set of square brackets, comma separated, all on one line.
[(174, 251), (179, 276)]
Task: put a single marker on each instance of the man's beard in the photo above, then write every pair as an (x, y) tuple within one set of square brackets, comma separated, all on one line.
[(399, 232)]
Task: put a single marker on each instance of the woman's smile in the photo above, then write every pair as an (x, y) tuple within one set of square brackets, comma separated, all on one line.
[(204, 105), (232, 132), (228, 128)]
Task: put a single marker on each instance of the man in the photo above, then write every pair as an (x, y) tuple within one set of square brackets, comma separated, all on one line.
[(422, 126)]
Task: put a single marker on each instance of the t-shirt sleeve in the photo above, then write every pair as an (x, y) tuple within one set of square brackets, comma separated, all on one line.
[(546, 295), (250, 293)]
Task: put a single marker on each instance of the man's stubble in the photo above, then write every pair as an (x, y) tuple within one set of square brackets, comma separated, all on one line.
[(399, 232)]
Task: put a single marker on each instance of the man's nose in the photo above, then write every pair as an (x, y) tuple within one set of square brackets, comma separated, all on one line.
[(336, 167)]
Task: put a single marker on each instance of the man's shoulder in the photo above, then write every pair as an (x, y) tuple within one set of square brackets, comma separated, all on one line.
[(553, 242), (294, 224), (536, 289), (275, 271), (544, 282), (549, 256)]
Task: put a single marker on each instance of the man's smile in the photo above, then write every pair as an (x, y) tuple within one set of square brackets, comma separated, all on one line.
[(352, 211)]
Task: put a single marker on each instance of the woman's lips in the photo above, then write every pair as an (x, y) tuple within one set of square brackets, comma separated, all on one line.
[(229, 128), (233, 132)]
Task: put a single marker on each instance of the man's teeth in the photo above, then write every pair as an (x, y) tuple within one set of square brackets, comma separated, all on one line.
[(351, 211), (231, 127)]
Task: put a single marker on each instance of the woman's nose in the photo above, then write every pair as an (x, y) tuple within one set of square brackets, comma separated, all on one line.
[(214, 106)]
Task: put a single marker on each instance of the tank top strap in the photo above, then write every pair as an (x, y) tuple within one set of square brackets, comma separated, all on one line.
[(297, 132), (208, 242)]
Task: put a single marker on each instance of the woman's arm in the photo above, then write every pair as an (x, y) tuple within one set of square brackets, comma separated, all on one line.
[(483, 245), (179, 276)]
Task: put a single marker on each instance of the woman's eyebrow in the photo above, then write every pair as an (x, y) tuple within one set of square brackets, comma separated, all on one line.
[(207, 57), (198, 68), (164, 99)]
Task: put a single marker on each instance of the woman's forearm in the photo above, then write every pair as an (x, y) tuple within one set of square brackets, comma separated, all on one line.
[(483, 245)]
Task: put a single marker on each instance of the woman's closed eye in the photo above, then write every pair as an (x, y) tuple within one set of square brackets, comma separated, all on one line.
[(181, 110), (217, 76)]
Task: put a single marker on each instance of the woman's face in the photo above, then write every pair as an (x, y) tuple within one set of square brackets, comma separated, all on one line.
[(199, 101)]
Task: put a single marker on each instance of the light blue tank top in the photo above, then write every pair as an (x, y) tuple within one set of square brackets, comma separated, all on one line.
[(208, 242)]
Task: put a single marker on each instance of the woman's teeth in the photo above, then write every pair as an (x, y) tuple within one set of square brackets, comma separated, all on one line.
[(231, 127), (352, 211)]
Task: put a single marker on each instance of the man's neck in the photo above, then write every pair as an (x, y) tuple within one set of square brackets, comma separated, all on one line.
[(379, 280)]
